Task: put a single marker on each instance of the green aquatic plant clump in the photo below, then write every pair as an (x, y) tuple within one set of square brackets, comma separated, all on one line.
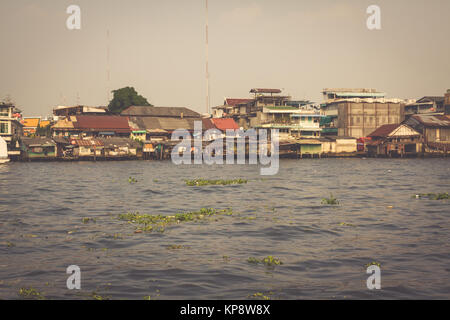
[(30, 293), (86, 220), (260, 296), (268, 261), (132, 180), (221, 182), (271, 261), (433, 196), (148, 222), (331, 200)]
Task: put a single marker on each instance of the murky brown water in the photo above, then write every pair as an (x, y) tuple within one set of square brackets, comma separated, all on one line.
[(41, 230)]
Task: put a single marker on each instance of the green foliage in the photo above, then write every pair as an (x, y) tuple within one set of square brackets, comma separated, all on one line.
[(205, 182), (331, 200), (44, 131), (124, 98), (148, 222)]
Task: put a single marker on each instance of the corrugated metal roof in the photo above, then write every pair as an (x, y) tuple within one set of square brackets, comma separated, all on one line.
[(265, 90), (384, 130), (360, 94), (365, 100), (113, 142), (61, 140), (103, 123), (38, 141), (150, 111), (234, 102), (63, 124), (168, 124), (437, 99), (171, 124), (389, 130), (433, 120), (86, 142)]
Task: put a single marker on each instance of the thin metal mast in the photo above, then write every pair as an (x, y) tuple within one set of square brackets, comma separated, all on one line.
[(108, 69), (207, 62)]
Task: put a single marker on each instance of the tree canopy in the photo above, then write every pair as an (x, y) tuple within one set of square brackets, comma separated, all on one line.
[(125, 97)]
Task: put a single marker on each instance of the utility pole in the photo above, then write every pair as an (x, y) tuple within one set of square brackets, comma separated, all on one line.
[(207, 58)]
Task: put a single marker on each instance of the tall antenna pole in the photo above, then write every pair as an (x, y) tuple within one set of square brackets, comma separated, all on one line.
[(207, 58), (108, 70)]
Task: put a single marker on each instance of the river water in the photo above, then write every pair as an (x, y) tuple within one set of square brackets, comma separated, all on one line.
[(324, 248)]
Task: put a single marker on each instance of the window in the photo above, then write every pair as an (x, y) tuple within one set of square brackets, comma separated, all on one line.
[(4, 112), (4, 127)]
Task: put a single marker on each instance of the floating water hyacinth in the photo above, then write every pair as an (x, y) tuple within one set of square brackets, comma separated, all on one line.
[(132, 180), (260, 295), (331, 200), (30, 293), (268, 261), (148, 222), (432, 196), (205, 182)]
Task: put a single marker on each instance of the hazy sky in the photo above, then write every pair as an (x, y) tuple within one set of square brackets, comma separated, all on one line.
[(158, 47)]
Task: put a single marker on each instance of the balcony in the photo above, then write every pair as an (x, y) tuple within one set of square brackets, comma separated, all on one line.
[(290, 125)]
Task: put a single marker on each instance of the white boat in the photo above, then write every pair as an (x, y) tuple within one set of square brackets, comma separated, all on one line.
[(3, 151)]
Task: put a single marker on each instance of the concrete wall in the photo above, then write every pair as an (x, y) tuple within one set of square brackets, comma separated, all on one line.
[(361, 119), (339, 146), (346, 145)]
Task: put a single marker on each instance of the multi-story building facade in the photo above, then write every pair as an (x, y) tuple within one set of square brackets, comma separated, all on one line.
[(425, 105), (10, 127), (358, 112), (269, 109)]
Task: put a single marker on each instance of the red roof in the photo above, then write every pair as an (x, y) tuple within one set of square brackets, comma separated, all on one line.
[(225, 123), (384, 130), (103, 123), (233, 102), (207, 124)]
